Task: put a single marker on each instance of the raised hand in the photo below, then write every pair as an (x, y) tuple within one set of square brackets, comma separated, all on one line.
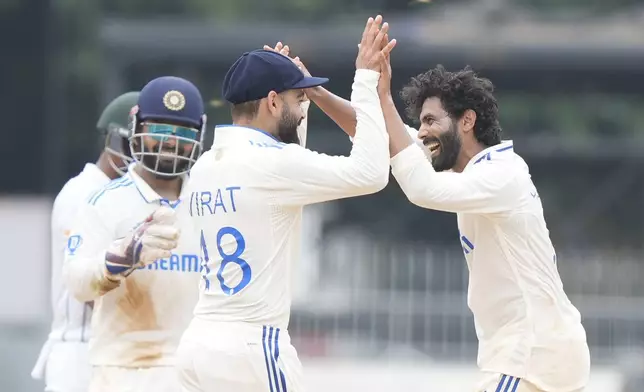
[(372, 45), (384, 83), (279, 48), (285, 50)]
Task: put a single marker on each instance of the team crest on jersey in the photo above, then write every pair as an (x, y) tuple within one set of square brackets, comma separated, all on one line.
[(174, 100), (73, 243)]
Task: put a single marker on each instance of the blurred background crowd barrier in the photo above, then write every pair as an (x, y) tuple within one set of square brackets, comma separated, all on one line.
[(381, 286)]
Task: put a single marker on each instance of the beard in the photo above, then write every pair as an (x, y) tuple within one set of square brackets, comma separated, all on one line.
[(450, 147), (165, 166), (287, 127)]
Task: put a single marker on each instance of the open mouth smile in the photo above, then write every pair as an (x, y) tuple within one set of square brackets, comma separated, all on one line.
[(434, 147)]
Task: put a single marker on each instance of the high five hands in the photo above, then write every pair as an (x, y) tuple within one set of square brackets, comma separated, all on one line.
[(374, 52), (375, 45)]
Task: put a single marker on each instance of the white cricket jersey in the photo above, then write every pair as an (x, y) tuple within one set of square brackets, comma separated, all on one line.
[(139, 323), (526, 325), (246, 199), (70, 317)]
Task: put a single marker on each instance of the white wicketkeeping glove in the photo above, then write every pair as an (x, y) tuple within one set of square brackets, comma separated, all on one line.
[(152, 239)]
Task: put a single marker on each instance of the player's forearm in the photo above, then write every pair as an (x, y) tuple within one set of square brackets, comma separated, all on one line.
[(312, 177), (419, 181), (86, 279), (482, 192), (399, 137), (338, 109), (370, 142)]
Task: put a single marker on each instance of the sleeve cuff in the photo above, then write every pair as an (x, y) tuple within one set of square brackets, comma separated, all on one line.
[(104, 282), (367, 75), (100, 269)]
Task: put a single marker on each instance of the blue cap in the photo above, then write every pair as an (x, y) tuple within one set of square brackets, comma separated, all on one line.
[(259, 72), (171, 98)]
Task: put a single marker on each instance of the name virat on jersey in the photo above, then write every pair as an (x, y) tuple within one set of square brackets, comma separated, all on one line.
[(221, 201)]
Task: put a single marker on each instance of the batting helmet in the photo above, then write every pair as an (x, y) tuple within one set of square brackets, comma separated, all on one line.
[(167, 126), (113, 123)]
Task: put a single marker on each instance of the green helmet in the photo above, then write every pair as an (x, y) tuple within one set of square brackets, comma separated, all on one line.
[(114, 124)]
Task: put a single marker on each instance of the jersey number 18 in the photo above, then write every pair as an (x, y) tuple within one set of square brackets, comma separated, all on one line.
[(227, 258)]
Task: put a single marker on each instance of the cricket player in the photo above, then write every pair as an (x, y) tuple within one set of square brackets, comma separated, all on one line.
[(128, 256), (246, 199), (64, 358), (530, 335)]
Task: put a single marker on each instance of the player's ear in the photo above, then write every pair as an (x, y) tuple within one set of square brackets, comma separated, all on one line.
[(273, 103), (468, 120)]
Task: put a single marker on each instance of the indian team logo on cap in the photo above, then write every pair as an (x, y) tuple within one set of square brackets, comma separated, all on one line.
[(174, 100)]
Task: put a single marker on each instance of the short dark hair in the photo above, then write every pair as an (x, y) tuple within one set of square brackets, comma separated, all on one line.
[(247, 109), (457, 91)]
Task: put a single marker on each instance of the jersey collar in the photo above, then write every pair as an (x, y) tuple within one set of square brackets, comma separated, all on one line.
[(493, 152), (234, 134), (149, 194)]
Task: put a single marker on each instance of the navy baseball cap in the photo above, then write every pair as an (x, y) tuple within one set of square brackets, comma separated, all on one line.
[(259, 72), (171, 98)]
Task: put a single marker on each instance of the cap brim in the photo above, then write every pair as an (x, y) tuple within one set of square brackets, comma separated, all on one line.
[(170, 117), (310, 81)]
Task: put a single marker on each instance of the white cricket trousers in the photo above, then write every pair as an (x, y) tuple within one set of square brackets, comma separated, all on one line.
[(65, 365), (496, 382), (237, 357), (121, 379)]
